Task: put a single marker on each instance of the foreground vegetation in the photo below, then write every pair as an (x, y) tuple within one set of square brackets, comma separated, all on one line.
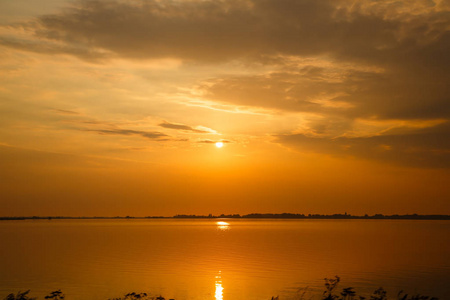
[(330, 293)]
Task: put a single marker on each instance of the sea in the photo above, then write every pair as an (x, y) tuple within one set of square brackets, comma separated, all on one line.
[(223, 259)]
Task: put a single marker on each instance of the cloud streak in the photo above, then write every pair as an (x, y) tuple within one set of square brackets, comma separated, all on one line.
[(183, 127), (66, 112), (213, 142), (151, 135)]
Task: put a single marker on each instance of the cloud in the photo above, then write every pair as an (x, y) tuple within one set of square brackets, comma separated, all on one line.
[(427, 147), (207, 141), (152, 135), (108, 128), (51, 47), (183, 127), (65, 112)]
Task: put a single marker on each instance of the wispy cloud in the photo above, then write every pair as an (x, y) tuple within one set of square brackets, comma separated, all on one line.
[(182, 127), (152, 135), (65, 112), (51, 48), (208, 141)]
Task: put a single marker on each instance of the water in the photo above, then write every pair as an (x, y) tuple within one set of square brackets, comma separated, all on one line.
[(202, 260)]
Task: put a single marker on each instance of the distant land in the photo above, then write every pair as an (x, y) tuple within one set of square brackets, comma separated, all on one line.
[(254, 216)]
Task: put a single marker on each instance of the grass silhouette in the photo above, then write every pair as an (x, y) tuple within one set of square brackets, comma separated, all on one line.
[(330, 293)]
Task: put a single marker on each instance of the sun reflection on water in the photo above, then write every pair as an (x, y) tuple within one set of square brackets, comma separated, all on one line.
[(223, 225), (219, 289)]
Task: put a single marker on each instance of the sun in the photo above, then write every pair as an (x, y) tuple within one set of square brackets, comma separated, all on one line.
[(219, 144)]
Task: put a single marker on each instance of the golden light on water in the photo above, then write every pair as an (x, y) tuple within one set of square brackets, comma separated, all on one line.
[(219, 289), (223, 225)]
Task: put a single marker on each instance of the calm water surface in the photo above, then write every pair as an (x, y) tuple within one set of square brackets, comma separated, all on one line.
[(204, 260)]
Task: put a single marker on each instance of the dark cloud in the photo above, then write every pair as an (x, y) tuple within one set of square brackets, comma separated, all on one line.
[(181, 127), (211, 31), (146, 134), (428, 147)]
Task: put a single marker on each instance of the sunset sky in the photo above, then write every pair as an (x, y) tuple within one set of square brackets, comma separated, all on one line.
[(114, 107)]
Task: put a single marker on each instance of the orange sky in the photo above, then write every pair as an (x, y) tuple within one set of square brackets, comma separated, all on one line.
[(114, 107)]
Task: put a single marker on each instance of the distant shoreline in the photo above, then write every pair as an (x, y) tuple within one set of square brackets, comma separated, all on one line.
[(250, 216)]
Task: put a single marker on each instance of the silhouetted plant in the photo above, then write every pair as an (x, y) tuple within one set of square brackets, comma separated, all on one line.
[(56, 295), (133, 296), (379, 294), (19, 296), (330, 285), (414, 297), (301, 294), (136, 296), (139, 296), (348, 293)]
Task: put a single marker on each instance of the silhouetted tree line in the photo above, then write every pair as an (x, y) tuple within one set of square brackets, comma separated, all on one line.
[(319, 216), (330, 293), (251, 216)]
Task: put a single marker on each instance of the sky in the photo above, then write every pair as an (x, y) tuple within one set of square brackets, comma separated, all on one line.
[(114, 108)]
